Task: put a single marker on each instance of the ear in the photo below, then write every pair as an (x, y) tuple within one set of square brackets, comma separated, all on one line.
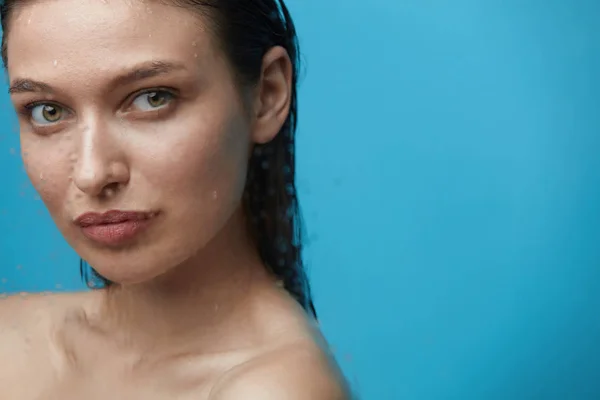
[(273, 95)]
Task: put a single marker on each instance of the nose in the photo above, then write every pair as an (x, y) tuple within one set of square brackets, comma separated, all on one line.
[(100, 164)]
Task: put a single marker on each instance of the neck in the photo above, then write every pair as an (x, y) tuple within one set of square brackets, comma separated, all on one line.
[(195, 303)]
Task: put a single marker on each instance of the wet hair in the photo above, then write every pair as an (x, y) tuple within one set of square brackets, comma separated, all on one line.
[(246, 30)]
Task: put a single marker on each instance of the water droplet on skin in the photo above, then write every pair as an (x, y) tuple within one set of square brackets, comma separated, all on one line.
[(41, 175), (55, 62), (215, 195), (195, 55), (28, 21), (194, 44)]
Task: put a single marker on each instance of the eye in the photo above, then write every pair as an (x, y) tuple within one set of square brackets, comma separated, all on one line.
[(44, 114), (152, 100)]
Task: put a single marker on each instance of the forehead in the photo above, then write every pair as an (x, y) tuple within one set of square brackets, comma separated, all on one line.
[(91, 36)]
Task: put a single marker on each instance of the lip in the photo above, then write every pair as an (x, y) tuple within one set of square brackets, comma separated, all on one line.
[(115, 227)]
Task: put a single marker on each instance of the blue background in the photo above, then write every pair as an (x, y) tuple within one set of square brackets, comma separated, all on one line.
[(450, 179)]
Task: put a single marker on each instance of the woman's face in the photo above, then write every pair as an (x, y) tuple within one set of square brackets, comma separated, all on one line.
[(129, 106)]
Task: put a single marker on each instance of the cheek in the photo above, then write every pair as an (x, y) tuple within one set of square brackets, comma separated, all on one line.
[(48, 168), (205, 168)]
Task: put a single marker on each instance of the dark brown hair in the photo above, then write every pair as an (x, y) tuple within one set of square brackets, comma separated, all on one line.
[(247, 29)]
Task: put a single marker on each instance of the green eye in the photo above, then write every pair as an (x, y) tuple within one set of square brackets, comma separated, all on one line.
[(152, 100), (44, 114)]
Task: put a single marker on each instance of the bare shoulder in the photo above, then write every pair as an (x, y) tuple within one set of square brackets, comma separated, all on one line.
[(296, 366), (24, 318), (298, 371), (28, 307)]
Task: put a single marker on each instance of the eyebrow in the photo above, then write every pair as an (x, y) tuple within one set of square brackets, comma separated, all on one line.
[(139, 72)]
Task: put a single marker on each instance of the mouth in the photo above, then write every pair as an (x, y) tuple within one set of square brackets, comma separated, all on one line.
[(114, 228)]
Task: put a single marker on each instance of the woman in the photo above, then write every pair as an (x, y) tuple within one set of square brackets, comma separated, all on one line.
[(160, 136)]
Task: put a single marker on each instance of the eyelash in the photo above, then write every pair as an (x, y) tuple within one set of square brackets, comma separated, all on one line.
[(26, 110)]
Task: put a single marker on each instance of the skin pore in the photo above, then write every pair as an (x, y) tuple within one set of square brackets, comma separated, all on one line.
[(131, 105)]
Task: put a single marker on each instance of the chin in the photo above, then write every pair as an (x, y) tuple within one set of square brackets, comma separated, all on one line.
[(141, 265), (129, 270)]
